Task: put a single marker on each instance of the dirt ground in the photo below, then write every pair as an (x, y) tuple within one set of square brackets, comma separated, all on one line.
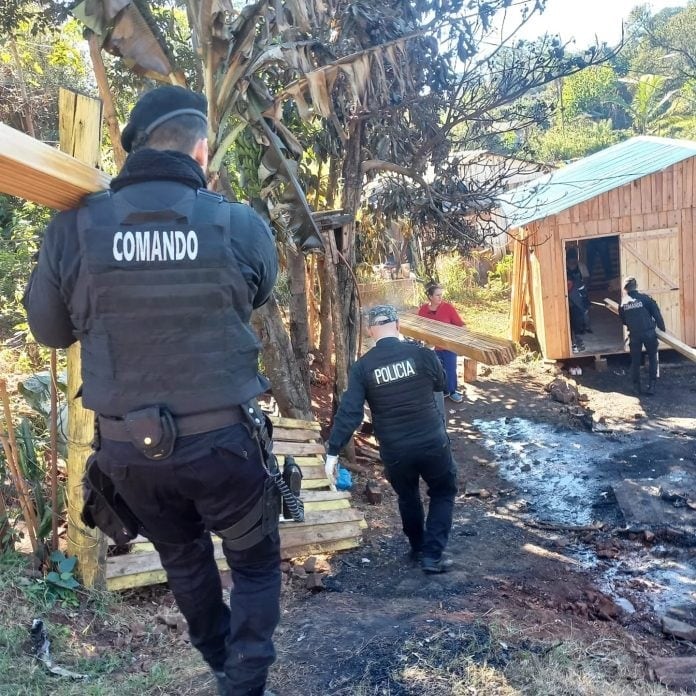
[(549, 594), (512, 571)]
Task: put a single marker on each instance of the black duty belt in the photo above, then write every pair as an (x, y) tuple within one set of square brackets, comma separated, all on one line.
[(115, 428)]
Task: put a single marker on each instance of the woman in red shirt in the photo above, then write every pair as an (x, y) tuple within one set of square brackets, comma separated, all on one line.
[(438, 310)]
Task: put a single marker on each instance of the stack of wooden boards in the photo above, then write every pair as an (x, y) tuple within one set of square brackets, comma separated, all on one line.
[(331, 524), (460, 340)]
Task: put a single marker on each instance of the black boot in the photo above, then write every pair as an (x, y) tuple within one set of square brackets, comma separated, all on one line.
[(651, 388)]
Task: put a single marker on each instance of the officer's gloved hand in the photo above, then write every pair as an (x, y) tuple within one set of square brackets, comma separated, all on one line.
[(331, 469)]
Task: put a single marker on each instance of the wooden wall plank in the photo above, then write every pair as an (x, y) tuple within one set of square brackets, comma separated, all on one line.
[(668, 189), (645, 195), (636, 198), (656, 185), (615, 203), (689, 197), (688, 275)]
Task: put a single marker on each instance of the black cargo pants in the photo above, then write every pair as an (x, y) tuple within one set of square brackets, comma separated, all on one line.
[(635, 345), (435, 466), (210, 482)]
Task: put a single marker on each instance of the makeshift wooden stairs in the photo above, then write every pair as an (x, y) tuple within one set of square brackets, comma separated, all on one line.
[(331, 524)]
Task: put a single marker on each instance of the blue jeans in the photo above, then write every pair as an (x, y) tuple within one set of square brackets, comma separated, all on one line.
[(436, 467), (449, 364)]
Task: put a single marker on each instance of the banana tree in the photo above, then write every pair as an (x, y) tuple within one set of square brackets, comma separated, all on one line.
[(232, 52)]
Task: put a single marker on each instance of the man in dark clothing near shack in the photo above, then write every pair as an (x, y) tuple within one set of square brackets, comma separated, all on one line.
[(578, 300), (399, 380), (157, 278), (640, 313)]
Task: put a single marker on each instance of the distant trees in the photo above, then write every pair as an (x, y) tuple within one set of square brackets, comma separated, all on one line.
[(647, 88)]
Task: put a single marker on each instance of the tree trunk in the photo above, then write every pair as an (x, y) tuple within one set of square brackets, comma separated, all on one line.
[(105, 94), (326, 336), (352, 189), (26, 106), (280, 364), (312, 304), (299, 318)]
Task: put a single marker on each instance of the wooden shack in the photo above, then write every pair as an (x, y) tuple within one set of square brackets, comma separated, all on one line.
[(627, 210)]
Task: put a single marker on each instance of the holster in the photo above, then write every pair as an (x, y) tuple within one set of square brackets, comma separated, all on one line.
[(261, 429), (103, 506), (152, 431)]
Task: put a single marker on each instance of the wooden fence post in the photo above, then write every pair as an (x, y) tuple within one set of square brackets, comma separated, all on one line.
[(79, 123)]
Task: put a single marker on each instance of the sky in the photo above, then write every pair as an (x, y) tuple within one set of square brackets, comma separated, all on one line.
[(583, 19)]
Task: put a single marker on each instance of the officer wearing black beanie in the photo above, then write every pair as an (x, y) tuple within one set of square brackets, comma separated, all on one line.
[(157, 278)]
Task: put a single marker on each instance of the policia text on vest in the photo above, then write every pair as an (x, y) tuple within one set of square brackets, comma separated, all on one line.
[(394, 372)]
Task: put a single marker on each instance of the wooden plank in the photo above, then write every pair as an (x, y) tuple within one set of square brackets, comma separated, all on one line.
[(645, 195), (313, 472), (315, 496), (665, 337), (41, 174), (516, 290), (136, 570), (689, 198), (656, 186), (314, 460), (315, 483), (298, 448), (625, 194), (80, 139), (294, 435), (636, 200), (678, 170), (295, 423), (688, 270), (668, 189), (325, 547), (477, 346)]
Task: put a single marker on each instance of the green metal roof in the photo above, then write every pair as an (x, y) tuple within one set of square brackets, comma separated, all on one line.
[(605, 170)]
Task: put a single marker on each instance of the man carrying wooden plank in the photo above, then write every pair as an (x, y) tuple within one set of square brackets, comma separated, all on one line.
[(157, 277), (399, 380), (640, 313)]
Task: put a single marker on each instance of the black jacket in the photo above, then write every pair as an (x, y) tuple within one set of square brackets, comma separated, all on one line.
[(640, 313), (398, 380), (160, 322)]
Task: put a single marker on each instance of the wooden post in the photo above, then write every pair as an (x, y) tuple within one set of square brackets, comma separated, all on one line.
[(79, 122)]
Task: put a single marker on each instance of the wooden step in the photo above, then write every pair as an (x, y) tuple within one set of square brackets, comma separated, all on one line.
[(329, 531), (331, 523)]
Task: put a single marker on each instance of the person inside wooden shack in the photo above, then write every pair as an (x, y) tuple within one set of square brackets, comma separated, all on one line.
[(578, 300)]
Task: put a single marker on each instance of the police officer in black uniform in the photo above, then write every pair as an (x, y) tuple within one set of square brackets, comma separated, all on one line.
[(640, 313), (399, 380), (157, 278)]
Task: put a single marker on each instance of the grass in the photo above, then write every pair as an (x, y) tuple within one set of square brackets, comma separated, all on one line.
[(488, 316), (94, 639)]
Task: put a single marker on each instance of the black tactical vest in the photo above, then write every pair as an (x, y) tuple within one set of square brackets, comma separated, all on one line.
[(161, 307), (399, 391)]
